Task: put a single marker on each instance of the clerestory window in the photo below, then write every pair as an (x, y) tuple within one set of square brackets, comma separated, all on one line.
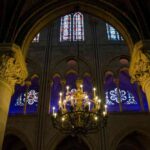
[(112, 33), (72, 27)]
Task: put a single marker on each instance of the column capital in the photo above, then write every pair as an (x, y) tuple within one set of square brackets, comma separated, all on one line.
[(140, 62), (12, 65)]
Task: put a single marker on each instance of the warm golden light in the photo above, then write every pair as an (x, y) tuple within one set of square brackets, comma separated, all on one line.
[(78, 108), (99, 100), (63, 119), (55, 115), (96, 118), (104, 113)]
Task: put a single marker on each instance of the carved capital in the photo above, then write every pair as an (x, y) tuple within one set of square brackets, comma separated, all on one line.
[(12, 65), (140, 62)]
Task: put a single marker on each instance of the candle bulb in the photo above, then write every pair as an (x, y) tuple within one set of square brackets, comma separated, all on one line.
[(53, 110), (105, 108), (67, 87), (96, 98), (99, 103), (55, 115), (94, 90), (104, 113), (86, 97), (60, 94), (89, 105), (81, 86)]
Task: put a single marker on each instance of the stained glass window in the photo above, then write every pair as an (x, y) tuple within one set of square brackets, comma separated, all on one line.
[(72, 27), (112, 33), (121, 95), (71, 79), (36, 38), (25, 99), (78, 31), (55, 90), (65, 28)]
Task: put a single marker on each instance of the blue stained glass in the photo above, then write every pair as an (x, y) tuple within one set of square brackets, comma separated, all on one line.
[(125, 93), (17, 105), (112, 33), (71, 80), (33, 95), (131, 102), (55, 90), (110, 95), (144, 99), (88, 86)]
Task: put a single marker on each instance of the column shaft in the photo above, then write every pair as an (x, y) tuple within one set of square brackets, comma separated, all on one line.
[(146, 88), (140, 66), (12, 70), (5, 96)]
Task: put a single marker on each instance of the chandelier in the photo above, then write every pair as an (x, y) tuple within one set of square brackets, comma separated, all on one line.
[(79, 112)]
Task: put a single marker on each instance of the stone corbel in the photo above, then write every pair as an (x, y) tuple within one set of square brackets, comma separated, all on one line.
[(12, 65)]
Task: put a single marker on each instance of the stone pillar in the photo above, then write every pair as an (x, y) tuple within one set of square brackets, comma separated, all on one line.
[(140, 66), (12, 71)]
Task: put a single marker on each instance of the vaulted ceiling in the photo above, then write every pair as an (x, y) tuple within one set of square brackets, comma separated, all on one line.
[(17, 17)]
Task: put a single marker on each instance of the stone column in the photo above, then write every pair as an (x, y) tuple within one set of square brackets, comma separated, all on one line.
[(12, 71), (140, 66)]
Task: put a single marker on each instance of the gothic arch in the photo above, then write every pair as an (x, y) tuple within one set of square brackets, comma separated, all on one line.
[(80, 60), (57, 139), (127, 132), (21, 136), (38, 17)]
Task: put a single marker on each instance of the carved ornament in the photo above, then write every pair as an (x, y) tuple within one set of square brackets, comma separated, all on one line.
[(140, 64), (12, 66)]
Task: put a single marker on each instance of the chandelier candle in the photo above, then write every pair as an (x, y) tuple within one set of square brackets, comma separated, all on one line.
[(79, 112)]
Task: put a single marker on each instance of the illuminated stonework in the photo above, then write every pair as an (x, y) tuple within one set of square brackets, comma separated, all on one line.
[(12, 66)]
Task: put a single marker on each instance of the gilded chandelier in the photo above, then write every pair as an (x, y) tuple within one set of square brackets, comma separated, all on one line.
[(78, 113)]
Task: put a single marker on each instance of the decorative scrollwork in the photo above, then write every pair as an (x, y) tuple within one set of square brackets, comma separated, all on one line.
[(11, 70), (140, 65)]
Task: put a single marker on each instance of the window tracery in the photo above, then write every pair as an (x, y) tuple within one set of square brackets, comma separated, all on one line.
[(122, 95), (25, 98), (112, 33), (72, 27), (36, 38)]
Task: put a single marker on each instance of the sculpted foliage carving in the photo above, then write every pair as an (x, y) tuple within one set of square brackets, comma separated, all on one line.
[(140, 66), (10, 70)]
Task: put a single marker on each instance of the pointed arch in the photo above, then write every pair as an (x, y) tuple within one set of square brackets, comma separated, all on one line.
[(78, 27), (65, 28), (112, 33)]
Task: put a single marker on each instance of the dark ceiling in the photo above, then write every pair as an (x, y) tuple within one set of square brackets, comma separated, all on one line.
[(14, 13)]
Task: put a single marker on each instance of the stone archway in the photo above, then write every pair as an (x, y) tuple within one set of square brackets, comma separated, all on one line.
[(72, 143), (134, 141), (44, 14), (12, 142)]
